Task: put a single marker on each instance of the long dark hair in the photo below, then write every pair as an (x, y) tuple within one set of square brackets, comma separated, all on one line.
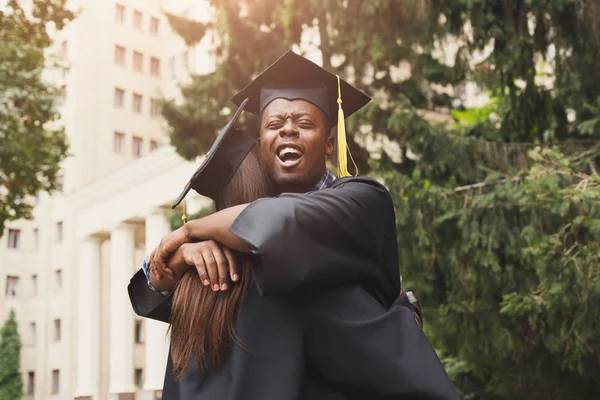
[(202, 321)]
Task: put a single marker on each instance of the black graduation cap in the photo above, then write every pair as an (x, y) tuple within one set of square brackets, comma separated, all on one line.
[(294, 77), (291, 77), (222, 160)]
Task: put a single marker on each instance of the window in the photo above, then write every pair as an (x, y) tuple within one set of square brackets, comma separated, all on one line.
[(55, 381), (139, 378), (155, 66), (120, 55), (36, 238), (137, 103), (14, 236), (57, 330), (172, 66), (154, 108), (138, 61), (119, 142), (153, 145), (120, 13), (34, 287), (139, 332), (58, 279), (137, 19), (119, 97), (12, 286), (186, 59), (64, 47), (137, 146), (154, 24), (32, 334), (30, 383), (59, 232)]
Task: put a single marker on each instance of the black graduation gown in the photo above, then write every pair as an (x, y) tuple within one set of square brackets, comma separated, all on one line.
[(327, 343), (345, 233), (335, 343)]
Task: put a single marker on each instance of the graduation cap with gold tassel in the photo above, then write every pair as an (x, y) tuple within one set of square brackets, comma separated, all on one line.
[(291, 77)]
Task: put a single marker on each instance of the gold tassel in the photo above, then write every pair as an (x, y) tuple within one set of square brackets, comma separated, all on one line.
[(343, 150), (184, 216)]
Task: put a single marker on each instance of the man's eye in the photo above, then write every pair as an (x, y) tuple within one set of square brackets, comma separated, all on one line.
[(305, 124), (274, 125)]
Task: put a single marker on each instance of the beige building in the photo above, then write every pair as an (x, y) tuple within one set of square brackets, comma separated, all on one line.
[(66, 271)]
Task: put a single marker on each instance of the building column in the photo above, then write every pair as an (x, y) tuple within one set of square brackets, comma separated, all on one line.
[(88, 320), (121, 338), (156, 343)]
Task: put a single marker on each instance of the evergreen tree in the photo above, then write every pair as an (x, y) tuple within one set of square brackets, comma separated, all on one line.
[(498, 207), (11, 382)]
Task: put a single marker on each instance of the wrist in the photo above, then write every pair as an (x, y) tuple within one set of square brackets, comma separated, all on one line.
[(185, 254)]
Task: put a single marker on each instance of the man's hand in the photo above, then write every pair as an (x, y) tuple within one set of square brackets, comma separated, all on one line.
[(213, 227), (215, 263)]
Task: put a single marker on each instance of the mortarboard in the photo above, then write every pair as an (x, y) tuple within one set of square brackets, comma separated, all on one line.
[(222, 160), (293, 77)]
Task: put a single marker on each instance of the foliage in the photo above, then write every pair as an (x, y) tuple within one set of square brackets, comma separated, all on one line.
[(498, 212), (31, 144), (11, 382)]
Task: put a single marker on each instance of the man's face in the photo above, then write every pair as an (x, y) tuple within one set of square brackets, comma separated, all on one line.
[(294, 142)]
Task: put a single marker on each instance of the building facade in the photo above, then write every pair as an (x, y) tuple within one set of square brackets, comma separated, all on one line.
[(65, 272)]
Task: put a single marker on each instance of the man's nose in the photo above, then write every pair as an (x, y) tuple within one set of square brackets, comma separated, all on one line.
[(289, 129)]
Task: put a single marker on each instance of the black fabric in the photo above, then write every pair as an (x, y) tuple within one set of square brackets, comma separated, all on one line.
[(222, 160), (352, 340), (336, 343), (147, 303), (345, 233), (292, 75)]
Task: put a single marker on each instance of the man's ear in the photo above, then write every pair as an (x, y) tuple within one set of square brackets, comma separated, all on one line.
[(329, 148)]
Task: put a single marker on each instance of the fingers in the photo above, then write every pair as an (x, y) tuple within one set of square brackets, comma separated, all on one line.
[(231, 261), (211, 266), (221, 264), (214, 263), (198, 261)]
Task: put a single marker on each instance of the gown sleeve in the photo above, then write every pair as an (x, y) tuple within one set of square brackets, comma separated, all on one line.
[(332, 235), (146, 302), (354, 341)]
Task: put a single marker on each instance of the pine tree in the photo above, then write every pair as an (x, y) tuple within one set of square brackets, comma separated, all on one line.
[(11, 381)]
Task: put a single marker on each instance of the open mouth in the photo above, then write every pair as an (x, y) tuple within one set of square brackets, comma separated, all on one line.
[(289, 155)]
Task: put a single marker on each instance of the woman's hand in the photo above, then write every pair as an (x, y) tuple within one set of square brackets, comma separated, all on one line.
[(167, 246), (215, 263), (215, 226)]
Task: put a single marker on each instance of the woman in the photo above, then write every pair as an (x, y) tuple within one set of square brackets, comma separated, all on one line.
[(202, 320), (330, 343)]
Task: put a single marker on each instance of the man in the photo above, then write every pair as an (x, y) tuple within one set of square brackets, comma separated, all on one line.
[(356, 344), (336, 235)]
